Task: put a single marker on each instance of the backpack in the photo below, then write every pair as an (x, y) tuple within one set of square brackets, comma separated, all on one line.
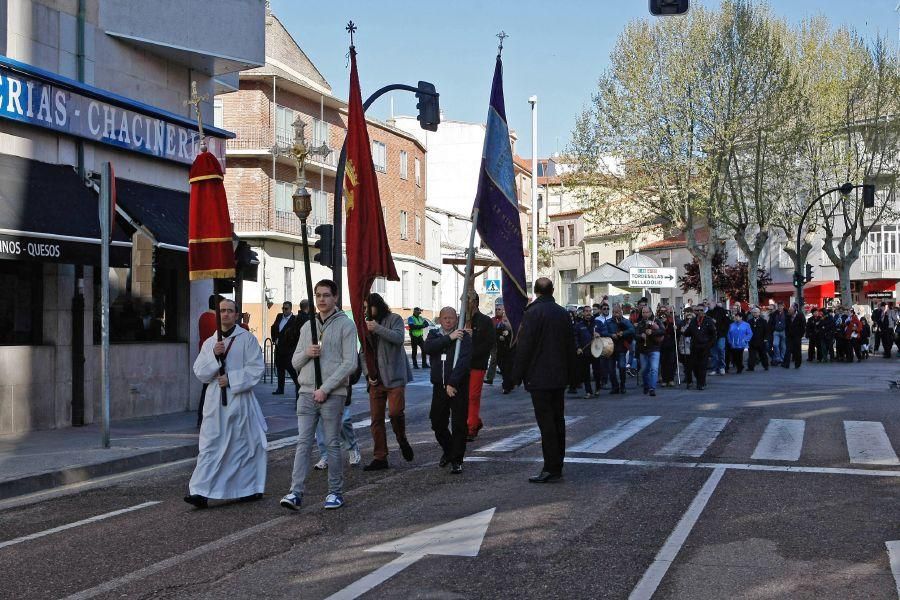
[(357, 374)]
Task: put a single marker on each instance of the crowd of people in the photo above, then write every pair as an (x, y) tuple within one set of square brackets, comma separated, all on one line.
[(707, 339)]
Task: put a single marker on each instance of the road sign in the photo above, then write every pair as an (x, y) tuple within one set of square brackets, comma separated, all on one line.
[(652, 277), (492, 286), (461, 537)]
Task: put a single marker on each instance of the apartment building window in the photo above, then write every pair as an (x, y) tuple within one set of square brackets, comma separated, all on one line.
[(418, 173), (283, 196), (218, 113), (420, 290), (379, 286), (404, 289), (418, 229), (571, 235), (320, 206), (321, 133), (379, 157), (284, 126), (404, 225), (288, 284), (404, 165), (595, 262), (620, 256), (561, 237)]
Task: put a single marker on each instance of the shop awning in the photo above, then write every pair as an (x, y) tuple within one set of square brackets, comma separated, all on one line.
[(787, 287), (48, 215), (161, 211)]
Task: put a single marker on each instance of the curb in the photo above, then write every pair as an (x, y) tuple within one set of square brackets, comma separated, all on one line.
[(43, 482)]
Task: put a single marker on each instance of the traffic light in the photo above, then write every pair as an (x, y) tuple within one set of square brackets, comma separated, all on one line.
[(798, 280), (429, 106), (868, 195), (809, 273), (246, 262), (325, 246), (660, 8)]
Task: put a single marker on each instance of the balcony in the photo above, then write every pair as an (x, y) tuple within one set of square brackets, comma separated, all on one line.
[(263, 141), (878, 263), (261, 220)]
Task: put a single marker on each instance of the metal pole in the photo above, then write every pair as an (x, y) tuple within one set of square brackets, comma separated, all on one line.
[(677, 364), (534, 203), (105, 205), (314, 335), (467, 280), (798, 272)]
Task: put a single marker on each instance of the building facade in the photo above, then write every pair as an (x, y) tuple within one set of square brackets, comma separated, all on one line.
[(88, 82), (261, 177)]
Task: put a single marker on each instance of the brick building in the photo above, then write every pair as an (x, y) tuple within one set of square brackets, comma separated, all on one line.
[(261, 175)]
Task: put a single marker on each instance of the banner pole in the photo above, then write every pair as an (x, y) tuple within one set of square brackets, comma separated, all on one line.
[(467, 283)]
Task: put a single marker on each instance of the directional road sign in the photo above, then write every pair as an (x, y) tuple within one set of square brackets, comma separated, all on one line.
[(652, 277), (492, 286)]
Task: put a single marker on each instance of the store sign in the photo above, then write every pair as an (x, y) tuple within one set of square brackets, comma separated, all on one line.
[(36, 102), (652, 277), (879, 294), (58, 251)]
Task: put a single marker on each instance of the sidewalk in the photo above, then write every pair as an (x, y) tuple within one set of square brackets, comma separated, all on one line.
[(40, 460)]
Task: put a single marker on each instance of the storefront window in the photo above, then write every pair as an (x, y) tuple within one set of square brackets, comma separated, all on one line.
[(21, 303), (143, 298)]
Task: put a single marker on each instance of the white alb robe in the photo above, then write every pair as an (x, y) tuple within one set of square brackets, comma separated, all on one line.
[(232, 459)]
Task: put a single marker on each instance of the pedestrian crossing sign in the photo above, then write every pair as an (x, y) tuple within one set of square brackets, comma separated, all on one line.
[(492, 286)]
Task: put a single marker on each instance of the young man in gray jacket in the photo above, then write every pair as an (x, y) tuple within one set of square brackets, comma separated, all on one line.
[(387, 387), (336, 353)]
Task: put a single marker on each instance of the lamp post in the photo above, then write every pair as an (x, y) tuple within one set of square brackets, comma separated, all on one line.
[(302, 208), (798, 272)]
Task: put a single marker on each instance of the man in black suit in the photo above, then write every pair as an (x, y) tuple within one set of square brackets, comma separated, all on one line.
[(546, 363), (284, 337)]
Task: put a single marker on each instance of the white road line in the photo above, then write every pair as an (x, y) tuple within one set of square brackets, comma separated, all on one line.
[(782, 440), (656, 464), (168, 563), (646, 587), (109, 515), (893, 549), (521, 439), (695, 438), (868, 444), (606, 440), (367, 423)]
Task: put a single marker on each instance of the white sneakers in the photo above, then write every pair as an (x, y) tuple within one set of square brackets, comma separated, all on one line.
[(322, 464), (355, 458)]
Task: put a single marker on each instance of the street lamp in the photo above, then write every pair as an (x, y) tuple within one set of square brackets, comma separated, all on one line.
[(845, 189), (303, 208)]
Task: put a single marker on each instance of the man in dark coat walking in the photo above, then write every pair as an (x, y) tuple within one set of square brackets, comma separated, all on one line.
[(795, 328), (546, 364), (703, 335), (284, 337), (758, 350)]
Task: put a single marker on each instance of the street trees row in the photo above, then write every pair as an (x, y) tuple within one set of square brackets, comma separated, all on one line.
[(734, 121)]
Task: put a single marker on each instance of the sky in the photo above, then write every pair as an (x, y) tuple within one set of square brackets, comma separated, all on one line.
[(555, 50)]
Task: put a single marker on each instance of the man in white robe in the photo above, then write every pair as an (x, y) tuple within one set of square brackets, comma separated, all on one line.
[(232, 459)]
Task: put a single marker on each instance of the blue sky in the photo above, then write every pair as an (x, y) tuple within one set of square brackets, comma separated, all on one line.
[(556, 50)]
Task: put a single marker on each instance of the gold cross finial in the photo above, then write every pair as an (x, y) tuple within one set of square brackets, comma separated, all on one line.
[(502, 35), (194, 102)]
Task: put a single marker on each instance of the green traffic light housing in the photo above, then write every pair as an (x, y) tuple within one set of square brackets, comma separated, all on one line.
[(325, 246), (429, 106)]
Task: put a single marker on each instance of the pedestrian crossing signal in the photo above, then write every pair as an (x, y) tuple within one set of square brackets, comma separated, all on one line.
[(492, 286)]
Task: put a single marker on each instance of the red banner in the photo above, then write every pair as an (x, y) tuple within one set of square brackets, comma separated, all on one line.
[(210, 250)]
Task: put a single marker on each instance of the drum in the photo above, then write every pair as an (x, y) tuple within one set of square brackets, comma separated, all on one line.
[(602, 347)]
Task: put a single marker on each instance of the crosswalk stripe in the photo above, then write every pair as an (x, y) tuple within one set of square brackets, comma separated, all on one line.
[(694, 439), (521, 439), (868, 443), (782, 440), (606, 440)]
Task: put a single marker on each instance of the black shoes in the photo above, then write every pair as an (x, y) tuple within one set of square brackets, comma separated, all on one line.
[(545, 477), (278, 393), (406, 450), (652, 392), (251, 498), (445, 460), (197, 500), (456, 468), (376, 465)]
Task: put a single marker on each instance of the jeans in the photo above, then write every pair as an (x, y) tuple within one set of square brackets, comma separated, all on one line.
[(717, 355), (650, 369), (779, 345), (309, 414), (348, 436)]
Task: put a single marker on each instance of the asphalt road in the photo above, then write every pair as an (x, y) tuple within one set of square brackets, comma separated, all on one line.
[(779, 484)]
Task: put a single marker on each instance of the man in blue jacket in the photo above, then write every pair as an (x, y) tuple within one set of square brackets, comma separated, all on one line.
[(621, 331), (739, 336), (450, 395)]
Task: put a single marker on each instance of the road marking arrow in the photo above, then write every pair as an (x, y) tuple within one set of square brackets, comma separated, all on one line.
[(461, 537)]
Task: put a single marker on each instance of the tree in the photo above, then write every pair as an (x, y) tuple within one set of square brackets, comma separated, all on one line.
[(854, 90), (639, 150), (691, 280), (731, 280)]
